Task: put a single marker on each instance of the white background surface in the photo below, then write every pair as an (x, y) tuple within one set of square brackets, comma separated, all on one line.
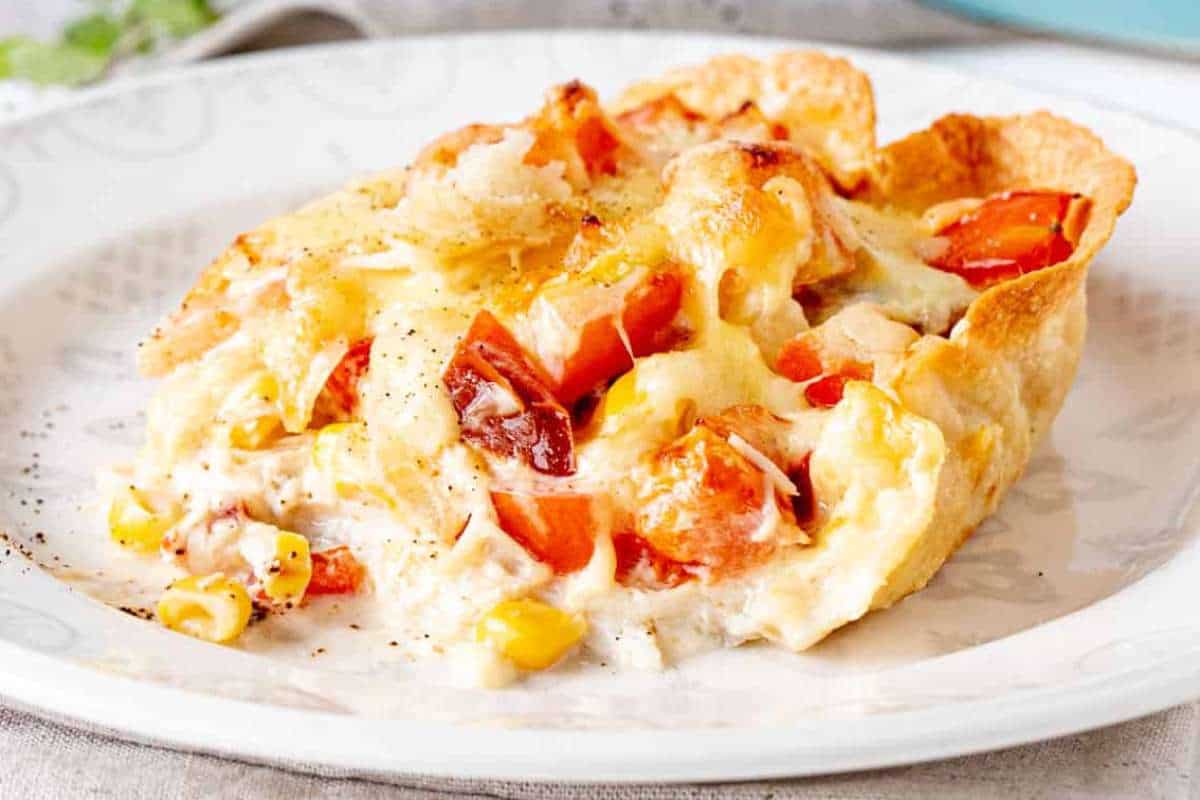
[(1161, 89)]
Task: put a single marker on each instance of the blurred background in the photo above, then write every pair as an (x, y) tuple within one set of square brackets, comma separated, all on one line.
[(1143, 56)]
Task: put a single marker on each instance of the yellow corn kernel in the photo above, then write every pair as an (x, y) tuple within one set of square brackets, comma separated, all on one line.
[(133, 524), (529, 633), (213, 607), (263, 389), (259, 393), (253, 434), (288, 573), (622, 395)]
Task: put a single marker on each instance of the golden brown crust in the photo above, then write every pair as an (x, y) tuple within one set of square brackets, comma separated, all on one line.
[(825, 104), (996, 384), (328, 226)]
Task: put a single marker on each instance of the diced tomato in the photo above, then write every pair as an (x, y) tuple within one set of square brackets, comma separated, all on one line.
[(336, 571), (557, 528), (804, 502), (1010, 234), (704, 504), (636, 559), (504, 402), (827, 391), (648, 309), (798, 360), (597, 146), (340, 397), (572, 123)]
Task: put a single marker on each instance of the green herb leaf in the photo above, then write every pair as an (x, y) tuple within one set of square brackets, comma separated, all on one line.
[(21, 57), (7, 46), (178, 18), (97, 33)]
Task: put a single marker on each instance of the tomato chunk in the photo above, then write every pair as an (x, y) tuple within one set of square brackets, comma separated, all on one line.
[(504, 402), (827, 391), (340, 397), (799, 360), (336, 571), (557, 528), (597, 146), (560, 529), (704, 503), (647, 311), (638, 562), (1009, 235)]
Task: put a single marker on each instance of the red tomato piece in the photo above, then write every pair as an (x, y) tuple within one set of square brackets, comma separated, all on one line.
[(647, 312), (560, 529), (637, 560), (1009, 235), (340, 396), (798, 360), (597, 146), (557, 528), (826, 391), (704, 503), (504, 402), (336, 571)]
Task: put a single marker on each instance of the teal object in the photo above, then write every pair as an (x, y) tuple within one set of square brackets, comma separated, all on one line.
[(1172, 25)]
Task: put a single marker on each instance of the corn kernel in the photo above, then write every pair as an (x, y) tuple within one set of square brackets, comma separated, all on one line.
[(289, 571), (213, 607), (253, 434), (622, 395), (260, 393), (530, 633), (264, 388), (133, 524)]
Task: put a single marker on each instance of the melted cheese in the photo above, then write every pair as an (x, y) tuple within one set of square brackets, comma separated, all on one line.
[(409, 258), (891, 274)]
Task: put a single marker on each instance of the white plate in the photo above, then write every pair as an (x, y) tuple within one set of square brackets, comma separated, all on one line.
[(1074, 607)]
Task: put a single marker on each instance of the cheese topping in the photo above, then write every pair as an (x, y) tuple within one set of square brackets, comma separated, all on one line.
[(464, 381)]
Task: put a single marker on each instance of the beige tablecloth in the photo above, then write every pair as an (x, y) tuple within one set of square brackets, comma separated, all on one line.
[(1156, 757)]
